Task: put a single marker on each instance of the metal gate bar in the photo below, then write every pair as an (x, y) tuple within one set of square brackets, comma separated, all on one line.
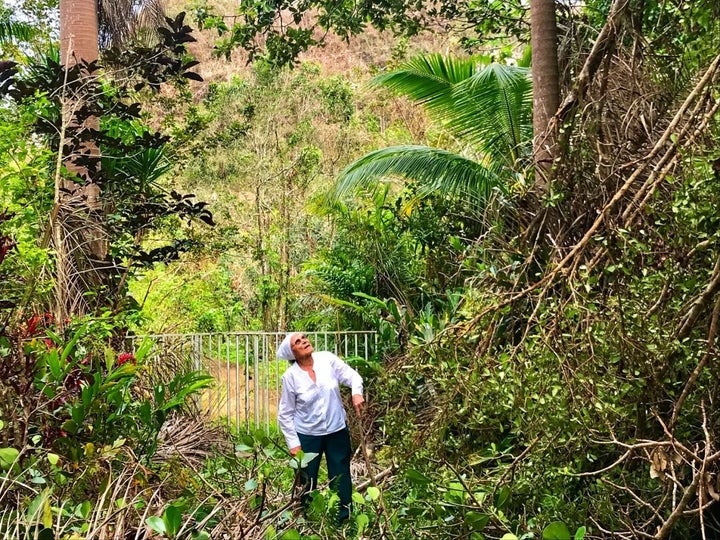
[(247, 374)]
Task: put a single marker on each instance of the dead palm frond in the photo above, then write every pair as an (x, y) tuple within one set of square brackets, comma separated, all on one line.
[(121, 21), (192, 437)]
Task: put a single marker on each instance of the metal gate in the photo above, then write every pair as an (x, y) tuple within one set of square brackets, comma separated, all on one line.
[(245, 368)]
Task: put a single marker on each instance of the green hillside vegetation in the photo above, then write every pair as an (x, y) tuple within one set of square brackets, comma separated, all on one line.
[(264, 146), (546, 296)]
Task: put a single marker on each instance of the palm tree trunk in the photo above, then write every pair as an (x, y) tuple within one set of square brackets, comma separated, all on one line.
[(546, 86), (79, 240), (78, 31)]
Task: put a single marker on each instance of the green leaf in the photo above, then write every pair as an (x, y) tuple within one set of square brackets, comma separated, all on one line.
[(186, 385), (70, 426), (476, 521), (251, 484), (434, 169), (144, 348), (37, 505), (53, 458), (172, 517), (126, 370), (580, 533), (509, 536), (373, 493), (248, 440), (416, 477), (109, 358), (291, 534), (119, 442), (557, 530), (501, 497), (357, 499), (53, 362), (156, 524), (47, 517), (83, 510), (70, 347), (362, 521), (8, 457)]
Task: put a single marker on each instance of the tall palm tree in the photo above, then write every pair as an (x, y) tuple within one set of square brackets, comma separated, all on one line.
[(79, 238), (546, 86), (78, 31), (87, 25), (486, 105)]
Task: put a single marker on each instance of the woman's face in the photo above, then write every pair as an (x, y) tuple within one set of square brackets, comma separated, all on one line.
[(300, 345)]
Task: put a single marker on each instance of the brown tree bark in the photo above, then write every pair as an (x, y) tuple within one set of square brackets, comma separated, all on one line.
[(78, 31), (546, 87), (78, 234)]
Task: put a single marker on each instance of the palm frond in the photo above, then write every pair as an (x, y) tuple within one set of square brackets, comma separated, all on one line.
[(15, 31), (493, 109), (429, 80), (487, 104), (120, 21), (434, 170), (429, 67)]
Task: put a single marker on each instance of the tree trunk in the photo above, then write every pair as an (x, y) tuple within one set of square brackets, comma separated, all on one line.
[(546, 87), (79, 236), (78, 31), (284, 278)]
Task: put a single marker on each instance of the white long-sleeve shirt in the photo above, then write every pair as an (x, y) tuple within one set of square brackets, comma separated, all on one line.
[(315, 408)]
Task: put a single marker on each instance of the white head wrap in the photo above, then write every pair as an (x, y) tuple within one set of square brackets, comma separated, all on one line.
[(284, 351)]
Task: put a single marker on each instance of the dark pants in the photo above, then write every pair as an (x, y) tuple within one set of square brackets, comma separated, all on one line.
[(336, 448)]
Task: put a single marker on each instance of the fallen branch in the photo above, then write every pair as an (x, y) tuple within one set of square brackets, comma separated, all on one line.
[(375, 479)]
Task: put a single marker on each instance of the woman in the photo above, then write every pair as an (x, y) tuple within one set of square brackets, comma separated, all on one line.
[(311, 414)]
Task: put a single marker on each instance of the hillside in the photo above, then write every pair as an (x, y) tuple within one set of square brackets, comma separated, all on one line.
[(337, 116)]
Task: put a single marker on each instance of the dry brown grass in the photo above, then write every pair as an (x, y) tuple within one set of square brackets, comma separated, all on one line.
[(361, 56)]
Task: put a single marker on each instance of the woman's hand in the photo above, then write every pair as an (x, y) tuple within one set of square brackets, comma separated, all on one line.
[(357, 401), (295, 450)]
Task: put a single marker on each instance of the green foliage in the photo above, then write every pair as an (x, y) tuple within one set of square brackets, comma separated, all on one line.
[(488, 107), (263, 145), (127, 169), (266, 33), (25, 199), (338, 97), (545, 399), (371, 256), (429, 167), (168, 524), (510, 410), (174, 302), (74, 414), (10, 31), (94, 397), (687, 45)]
